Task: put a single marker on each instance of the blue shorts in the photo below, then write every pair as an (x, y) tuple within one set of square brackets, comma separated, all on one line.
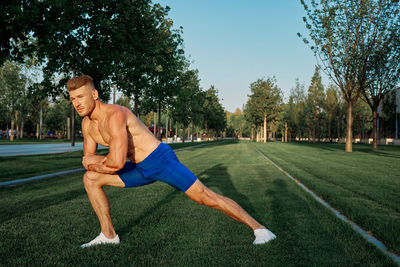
[(161, 165)]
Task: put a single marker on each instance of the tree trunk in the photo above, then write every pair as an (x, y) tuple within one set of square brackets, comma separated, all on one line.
[(183, 133), (72, 127), (349, 127), (41, 122), (154, 124), (192, 132), (69, 128), (205, 126), (16, 124), (265, 128), (159, 121), (166, 128), (21, 135), (12, 130), (257, 134), (375, 128), (338, 129), (314, 130), (330, 129), (37, 130), (286, 132)]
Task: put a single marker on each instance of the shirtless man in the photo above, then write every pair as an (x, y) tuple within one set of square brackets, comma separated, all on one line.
[(150, 160)]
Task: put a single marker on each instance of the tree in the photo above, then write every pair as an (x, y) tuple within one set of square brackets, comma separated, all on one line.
[(55, 116), (315, 100), (149, 54), (186, 106), (344, 37), (212, 111), (12, 90), (236, 124), (333, 109), (124, 101), (383, 72), (264, 102)]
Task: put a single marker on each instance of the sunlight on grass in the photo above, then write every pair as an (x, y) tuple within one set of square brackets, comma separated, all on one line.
[(46, 221)]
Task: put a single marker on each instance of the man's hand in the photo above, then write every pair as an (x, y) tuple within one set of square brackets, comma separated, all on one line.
[(95, 163), (92, 159), (101, 168)]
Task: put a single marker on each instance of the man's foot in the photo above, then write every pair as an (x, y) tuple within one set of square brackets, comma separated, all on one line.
[(263, 236), (102, 239)]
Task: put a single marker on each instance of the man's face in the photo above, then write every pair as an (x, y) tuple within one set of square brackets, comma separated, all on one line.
[(84, 99)]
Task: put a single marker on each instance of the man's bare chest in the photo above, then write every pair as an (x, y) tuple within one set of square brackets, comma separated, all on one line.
[(99, 134)]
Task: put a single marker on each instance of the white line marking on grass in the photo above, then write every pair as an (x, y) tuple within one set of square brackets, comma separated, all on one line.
[(39, 177), (371, 239)]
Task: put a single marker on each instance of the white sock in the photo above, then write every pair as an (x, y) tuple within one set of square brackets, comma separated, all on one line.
[(101, 239), (263, 236)]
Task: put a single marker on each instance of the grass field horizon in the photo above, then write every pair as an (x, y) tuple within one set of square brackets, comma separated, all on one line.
[(46, 221)]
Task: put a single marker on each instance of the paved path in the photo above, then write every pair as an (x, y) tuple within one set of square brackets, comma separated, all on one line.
[(34, 149)]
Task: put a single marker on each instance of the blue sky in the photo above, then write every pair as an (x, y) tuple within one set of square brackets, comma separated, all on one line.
[(233, 43)]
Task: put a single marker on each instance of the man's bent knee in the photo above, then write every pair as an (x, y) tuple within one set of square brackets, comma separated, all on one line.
[(91, 178)]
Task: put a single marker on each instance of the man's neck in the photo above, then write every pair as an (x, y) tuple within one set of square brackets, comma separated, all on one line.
[(96, 114)]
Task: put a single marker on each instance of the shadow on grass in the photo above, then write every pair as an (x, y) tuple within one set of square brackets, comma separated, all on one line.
[(216, 176), (389, 151), (26, 206)]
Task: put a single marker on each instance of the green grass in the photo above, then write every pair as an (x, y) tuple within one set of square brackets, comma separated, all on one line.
[(17, 167), (364, 184), (46, 221)]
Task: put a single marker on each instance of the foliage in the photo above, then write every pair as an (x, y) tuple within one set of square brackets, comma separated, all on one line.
[(315, 105), (237, 126), (345, 36), (128, 42), (213, 112), (12, 91), (264, 102), (186, 107), (55, 116)]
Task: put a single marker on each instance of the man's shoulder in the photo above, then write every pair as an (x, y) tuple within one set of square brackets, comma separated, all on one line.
[(117, 111)]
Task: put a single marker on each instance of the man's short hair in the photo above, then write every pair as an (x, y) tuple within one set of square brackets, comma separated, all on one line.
[(79, 81)]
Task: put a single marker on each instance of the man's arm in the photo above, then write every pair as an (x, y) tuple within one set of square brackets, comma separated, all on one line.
[(118, 151), (118, 145), (90, 160)]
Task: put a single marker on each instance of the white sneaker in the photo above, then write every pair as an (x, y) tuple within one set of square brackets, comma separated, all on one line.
[(263, 236), (102, 239)]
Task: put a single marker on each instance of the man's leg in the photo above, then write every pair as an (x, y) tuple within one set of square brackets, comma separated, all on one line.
[(94, 183), (203, 195)]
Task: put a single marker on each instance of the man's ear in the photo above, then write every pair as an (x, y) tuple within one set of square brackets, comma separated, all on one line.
[(95, 94)]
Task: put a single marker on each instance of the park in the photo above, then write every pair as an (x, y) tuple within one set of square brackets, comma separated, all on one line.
[(310, 148)]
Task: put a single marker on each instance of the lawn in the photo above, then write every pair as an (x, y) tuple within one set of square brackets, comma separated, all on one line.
[(17, 167), (45, 222), (364, 184)]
